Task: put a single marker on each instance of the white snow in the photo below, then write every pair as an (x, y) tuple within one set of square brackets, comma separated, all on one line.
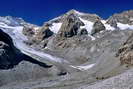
[(88, 25), (79, 13), (92, 37), (4, 19), (107, 26), (55, 27), (2, 24), (131, 19), (83, 68), (119, 25), (124, 26)]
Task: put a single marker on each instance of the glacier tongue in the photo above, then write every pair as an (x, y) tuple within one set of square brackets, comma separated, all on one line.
[(18, 40)]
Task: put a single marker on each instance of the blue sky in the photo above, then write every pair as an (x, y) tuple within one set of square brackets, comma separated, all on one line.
[(39, 11)]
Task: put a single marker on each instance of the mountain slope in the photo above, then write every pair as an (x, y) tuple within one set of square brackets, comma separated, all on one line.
[(81, 47)]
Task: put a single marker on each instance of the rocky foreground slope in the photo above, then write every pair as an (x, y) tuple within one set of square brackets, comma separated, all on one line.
[(73, 51)]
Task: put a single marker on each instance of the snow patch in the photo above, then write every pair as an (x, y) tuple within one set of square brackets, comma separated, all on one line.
[(88, 25), (83, 68), (55, 27), (124, 26), (92, 37), (107, 26), (79, 13)]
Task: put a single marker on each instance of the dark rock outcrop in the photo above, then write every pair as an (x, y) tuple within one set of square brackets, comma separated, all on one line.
[(9, 55), (44, 33), (97, 27), (83, 32)]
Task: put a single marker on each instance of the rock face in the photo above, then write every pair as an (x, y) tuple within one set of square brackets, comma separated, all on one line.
[(125, 17), (9, 55), (38, 37), (43, 33), (70, 26), (42, 37), (97, 27)]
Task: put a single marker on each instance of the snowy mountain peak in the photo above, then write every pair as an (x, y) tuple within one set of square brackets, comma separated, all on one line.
[(12, 21), (73, 11)]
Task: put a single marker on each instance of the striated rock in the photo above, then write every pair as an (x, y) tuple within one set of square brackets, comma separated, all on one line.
[(125, 53), (127, 58), (70, 26), (97, 27)]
